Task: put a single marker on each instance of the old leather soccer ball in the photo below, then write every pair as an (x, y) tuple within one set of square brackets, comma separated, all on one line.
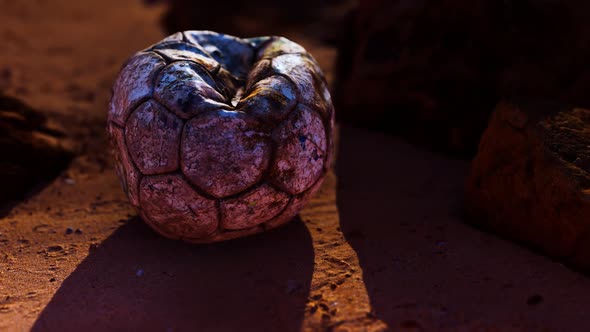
[(217, 137)]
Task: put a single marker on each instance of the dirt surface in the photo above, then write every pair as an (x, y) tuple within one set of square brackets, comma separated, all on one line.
[(74, 256)]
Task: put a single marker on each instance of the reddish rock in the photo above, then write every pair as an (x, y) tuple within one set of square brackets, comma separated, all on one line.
[(270, 17), (31, 152), (432, 71), (530, 180)]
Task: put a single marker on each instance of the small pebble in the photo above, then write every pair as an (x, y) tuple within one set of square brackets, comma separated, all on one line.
[(55, 248), (313, 308), (52, 280), (69, 230), (69, 181), (78, 231)]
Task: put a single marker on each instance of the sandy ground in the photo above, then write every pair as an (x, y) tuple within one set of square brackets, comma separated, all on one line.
[(393, 255)]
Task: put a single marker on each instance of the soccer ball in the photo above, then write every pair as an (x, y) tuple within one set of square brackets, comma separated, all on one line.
[(217, 137)]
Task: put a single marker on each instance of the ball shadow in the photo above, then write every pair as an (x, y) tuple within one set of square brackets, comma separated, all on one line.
[(138, 281)]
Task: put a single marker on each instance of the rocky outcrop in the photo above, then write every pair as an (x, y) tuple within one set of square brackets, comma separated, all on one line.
[(432, 71), (321, 19), (31, 153), (530, 180)]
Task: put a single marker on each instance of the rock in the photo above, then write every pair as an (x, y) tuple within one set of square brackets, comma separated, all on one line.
[(432, 71), (530, 180), (26, 143), (244, 18)]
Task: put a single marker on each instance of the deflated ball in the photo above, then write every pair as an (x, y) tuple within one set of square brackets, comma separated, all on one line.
[(217, 137)]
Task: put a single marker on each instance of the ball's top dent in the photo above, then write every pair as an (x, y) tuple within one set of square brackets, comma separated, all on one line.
[(233, 53)]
